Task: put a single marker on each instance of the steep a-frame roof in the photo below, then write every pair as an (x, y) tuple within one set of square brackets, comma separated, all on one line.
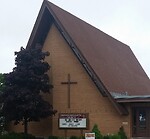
[(111, 64)]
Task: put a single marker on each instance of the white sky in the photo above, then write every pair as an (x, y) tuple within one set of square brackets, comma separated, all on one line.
[(125, 20)]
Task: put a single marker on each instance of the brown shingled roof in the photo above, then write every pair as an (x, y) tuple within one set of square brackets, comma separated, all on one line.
[(112, 64)]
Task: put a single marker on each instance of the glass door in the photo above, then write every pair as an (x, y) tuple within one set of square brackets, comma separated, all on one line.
[(140, 122)]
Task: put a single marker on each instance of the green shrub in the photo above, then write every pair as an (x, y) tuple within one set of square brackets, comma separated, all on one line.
[(17, 136), (97, 132), (53, 137), (106, 137), (116, 136), (122, 133), (83, 137), (61, 137), (74, 137)]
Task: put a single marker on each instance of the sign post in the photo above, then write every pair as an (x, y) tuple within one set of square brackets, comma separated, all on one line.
[(70, 121)]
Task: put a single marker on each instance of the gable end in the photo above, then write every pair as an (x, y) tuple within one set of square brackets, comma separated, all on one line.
[(41, 28)]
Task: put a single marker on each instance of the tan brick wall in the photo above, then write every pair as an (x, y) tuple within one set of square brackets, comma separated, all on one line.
[(85, 97)]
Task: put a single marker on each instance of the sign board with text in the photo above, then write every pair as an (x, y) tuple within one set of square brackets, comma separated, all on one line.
[(73, 120), (89, 135)]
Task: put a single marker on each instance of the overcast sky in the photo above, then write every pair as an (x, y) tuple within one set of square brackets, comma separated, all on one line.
[(125, 20)]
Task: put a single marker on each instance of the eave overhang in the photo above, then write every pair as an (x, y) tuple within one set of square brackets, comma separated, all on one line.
[(133, 99)]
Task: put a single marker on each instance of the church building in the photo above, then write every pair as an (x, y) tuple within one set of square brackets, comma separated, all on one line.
[(97, 79)]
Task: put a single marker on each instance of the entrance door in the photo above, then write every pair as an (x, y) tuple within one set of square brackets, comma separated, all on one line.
[(141, 122)]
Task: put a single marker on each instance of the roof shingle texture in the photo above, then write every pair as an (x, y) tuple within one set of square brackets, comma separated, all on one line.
[(113, 61)]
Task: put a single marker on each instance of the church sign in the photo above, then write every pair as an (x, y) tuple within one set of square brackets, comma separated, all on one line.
[(73, 120)]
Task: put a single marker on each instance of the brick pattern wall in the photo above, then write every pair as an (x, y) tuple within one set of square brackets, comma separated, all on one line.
[(85, 97)]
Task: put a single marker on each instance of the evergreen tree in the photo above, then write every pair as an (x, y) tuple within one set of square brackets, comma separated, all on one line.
[(97, 132), (24, 88)]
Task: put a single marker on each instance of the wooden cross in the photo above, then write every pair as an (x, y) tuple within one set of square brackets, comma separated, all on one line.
[(69, 83)]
